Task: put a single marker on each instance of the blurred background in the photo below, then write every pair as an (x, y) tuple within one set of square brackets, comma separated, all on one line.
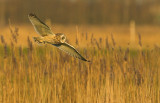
[(76, 18), (121, 38), (82, 11)]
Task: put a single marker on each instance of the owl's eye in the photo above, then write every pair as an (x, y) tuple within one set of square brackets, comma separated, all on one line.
[(63, 38)]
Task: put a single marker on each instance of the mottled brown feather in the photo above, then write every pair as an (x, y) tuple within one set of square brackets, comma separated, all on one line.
[(40, 27)]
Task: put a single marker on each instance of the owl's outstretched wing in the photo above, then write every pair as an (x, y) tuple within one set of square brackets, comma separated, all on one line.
[(40, 27), (70, 50)]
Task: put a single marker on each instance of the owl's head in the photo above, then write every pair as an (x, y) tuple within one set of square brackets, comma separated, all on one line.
[(62, 37)]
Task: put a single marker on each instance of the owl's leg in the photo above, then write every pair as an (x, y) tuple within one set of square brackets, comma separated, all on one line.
[(38, 39)]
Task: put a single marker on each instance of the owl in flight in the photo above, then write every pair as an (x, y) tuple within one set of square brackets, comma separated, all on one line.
[(47, 36)]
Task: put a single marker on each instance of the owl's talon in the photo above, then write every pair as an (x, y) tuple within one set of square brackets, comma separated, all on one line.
[(37, 40)]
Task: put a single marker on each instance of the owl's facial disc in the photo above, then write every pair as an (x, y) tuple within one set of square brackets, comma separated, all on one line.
[(63, 38)]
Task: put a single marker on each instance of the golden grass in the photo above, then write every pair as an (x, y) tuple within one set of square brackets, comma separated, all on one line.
[(150, 34), (43, 74)]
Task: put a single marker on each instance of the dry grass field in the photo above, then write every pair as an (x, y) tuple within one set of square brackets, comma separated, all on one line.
[(119, 72), (121, 33)]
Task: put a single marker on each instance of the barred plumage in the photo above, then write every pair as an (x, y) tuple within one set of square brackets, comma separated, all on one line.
[(58, 40)]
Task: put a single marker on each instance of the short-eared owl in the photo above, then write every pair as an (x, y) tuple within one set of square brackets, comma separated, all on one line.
[(47, 36)]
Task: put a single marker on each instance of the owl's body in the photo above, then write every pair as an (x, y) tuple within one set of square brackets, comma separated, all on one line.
[(47, 36), (51, 39)]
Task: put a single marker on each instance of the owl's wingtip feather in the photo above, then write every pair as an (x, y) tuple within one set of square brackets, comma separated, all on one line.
[(86, 60), (31, 15)]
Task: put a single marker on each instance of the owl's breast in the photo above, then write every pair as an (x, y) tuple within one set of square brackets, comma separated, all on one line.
[(52, 39)]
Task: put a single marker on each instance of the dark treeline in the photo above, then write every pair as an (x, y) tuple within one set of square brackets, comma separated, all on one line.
[(82, 11)]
